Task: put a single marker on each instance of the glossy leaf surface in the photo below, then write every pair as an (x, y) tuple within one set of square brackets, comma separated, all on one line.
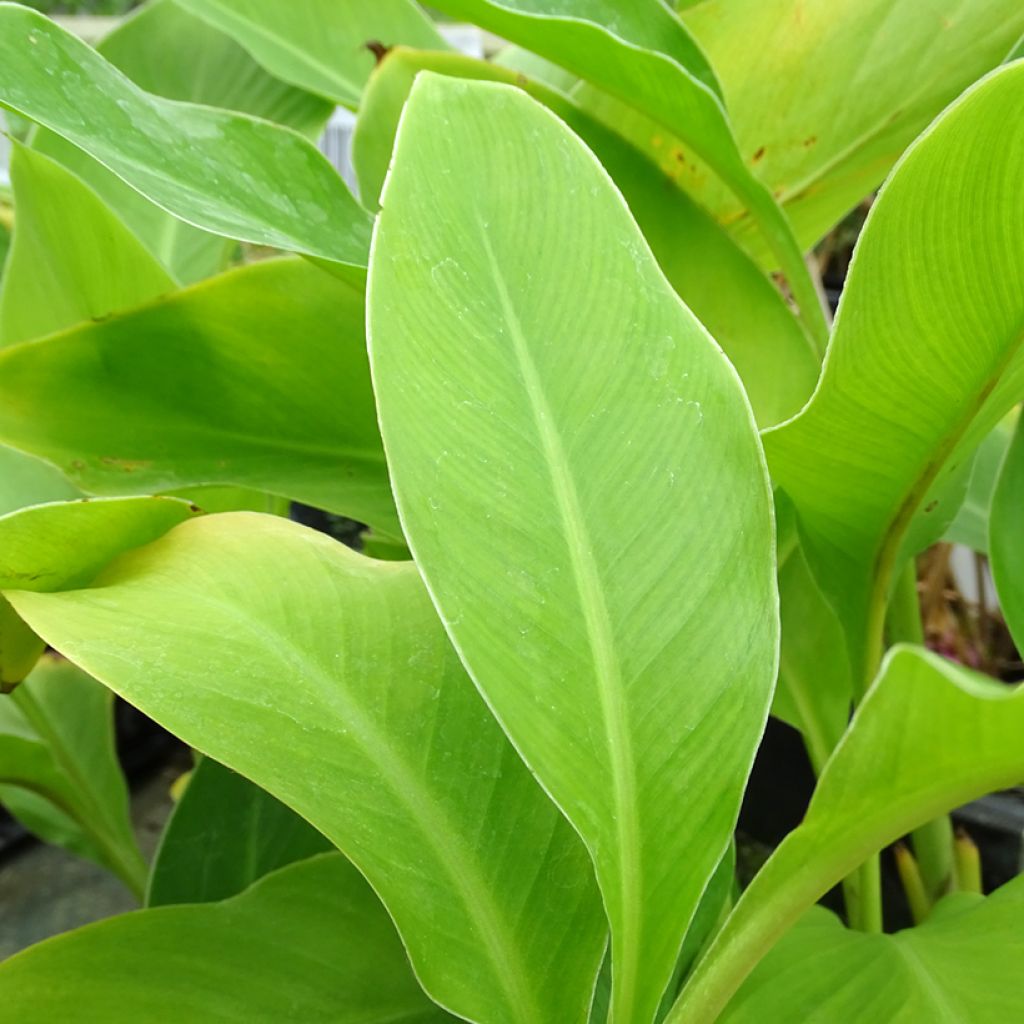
[(257, 378), (310, 944), (326, 678), (320, 45), (72, 259), (962, 964), (740, 307), (642, 54), (925, 359), (205, 166), (60, 774), (928, 737), (167, 51), (627, 663), (1006, 537), (225, 834)]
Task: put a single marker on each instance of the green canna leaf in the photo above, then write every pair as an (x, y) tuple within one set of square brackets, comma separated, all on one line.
[(59, 772), (225, 834), (928, 737), (882, 70), (926, 358), (740, 307), (257, 377), (320, 45), (963, 964), (310, 944), (326, 678), (169, 52), (71, 259), (206, 166), (582, 572), (644, 56)]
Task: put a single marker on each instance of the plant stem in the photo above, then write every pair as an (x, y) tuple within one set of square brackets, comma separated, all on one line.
[(913, 884), (868, 912), (933, 841), (125, 860), (968, 864)]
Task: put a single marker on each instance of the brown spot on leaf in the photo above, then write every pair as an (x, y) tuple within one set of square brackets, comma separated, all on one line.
[(810, 140), (125, 465), (759, 155), (378, 49), (931, 506)]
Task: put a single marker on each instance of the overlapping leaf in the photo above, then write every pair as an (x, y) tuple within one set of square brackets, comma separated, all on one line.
[(963, 964), (928, 737), (642, 54), (59, 772), (743, 310), (257, 378), (225, 834), (72, 259), (310, 944), (166, 51), (208, 167), (825, 95), (926, 357), (320, 45), (550, 464), (326, 678)]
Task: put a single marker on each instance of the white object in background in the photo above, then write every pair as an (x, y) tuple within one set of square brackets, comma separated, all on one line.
[(467, 39), (962, 565)]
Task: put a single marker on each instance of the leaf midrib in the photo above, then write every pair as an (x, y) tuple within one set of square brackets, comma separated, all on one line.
[(600, 636), (887, 551), (455, 858)]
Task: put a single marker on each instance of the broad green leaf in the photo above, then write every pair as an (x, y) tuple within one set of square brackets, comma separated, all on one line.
[(642, 54), (72, 259), (320, 45), (526, 349), (963, 964), (925, 359), (1006, 537), (24, 481), (326, 678), (52, 547), (824, 95), (167, 51), (970, 527), (928, 737), (69, 788), (256, 378), (20, 648), (224, 835), (310, 944), (172, 52), (208, 167), (740, 307), (814, 689)]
